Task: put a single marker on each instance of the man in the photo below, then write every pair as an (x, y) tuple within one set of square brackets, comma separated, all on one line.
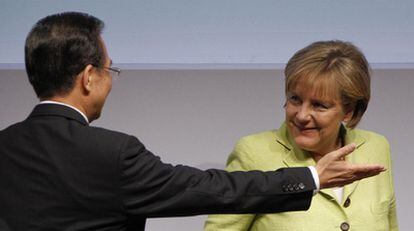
[(59, 173)]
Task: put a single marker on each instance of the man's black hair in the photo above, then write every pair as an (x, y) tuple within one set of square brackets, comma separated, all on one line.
[(58, 48)]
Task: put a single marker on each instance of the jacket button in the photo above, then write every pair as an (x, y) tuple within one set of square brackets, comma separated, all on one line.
[(345, 226), (297, 187), (347, 203)]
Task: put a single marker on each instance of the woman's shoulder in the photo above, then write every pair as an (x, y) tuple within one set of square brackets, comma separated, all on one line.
[(256, 151), (259, 137), (368, 136), (372, 145)]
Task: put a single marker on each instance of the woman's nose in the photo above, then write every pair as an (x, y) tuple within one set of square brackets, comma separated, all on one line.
[(304, 113)]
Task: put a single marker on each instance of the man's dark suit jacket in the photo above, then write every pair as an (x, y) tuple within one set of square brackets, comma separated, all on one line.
[(59, 173)]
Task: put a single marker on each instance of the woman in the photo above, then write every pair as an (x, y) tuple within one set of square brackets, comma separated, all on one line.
[(327, 89)]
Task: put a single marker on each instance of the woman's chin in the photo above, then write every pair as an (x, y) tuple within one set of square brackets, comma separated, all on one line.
[(306, 144)]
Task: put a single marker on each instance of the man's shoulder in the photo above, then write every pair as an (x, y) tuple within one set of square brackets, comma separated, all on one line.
[(106, 131), (110, 137), (10, 128)]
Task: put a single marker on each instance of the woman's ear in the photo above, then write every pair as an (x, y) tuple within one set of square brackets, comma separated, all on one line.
[(87, 76), (348, 114)]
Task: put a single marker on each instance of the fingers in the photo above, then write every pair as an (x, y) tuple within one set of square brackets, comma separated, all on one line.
[(346, 173), (364, 171), (368, 169), (334, 171), (345, 150)]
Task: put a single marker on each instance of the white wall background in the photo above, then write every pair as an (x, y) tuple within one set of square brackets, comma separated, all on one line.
[(194, 117), (224, 31)]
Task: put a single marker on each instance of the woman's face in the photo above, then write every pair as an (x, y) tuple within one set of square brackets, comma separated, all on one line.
[(314, 121)]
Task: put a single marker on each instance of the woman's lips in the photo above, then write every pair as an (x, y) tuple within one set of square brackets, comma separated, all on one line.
[(305, 130)]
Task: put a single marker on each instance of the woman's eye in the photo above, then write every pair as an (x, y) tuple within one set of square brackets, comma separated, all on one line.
[(320, 106), (294, 98)]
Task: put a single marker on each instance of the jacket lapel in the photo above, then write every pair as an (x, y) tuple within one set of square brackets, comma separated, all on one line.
[(356, 157), (295, 157)]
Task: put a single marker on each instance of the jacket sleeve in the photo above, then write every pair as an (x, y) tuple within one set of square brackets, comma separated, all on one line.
[(392, 215), (150, 188)]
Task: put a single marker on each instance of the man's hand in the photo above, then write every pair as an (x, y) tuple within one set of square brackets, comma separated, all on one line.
[(334, 171)]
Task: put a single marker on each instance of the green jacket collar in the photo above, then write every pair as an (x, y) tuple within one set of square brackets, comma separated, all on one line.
[(296, 157)]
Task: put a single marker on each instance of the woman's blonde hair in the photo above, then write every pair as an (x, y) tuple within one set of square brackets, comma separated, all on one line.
[(333, 68)]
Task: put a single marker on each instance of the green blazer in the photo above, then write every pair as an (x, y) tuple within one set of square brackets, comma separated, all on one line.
[(367, 205)]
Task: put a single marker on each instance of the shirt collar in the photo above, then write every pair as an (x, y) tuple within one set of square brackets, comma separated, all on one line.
[(67, 105)]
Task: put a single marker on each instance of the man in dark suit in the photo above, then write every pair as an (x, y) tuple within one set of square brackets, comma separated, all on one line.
[(59, 173)]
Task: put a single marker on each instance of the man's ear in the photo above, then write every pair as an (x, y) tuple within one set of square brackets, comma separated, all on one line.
[(87, 76)]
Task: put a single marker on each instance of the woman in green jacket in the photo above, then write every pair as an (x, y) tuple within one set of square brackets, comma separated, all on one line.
[(327, 89)]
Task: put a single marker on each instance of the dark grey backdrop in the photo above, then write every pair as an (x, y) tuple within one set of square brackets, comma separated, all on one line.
[(194, 117)]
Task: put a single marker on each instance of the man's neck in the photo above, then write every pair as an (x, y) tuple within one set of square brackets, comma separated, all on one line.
[(70, 103)]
